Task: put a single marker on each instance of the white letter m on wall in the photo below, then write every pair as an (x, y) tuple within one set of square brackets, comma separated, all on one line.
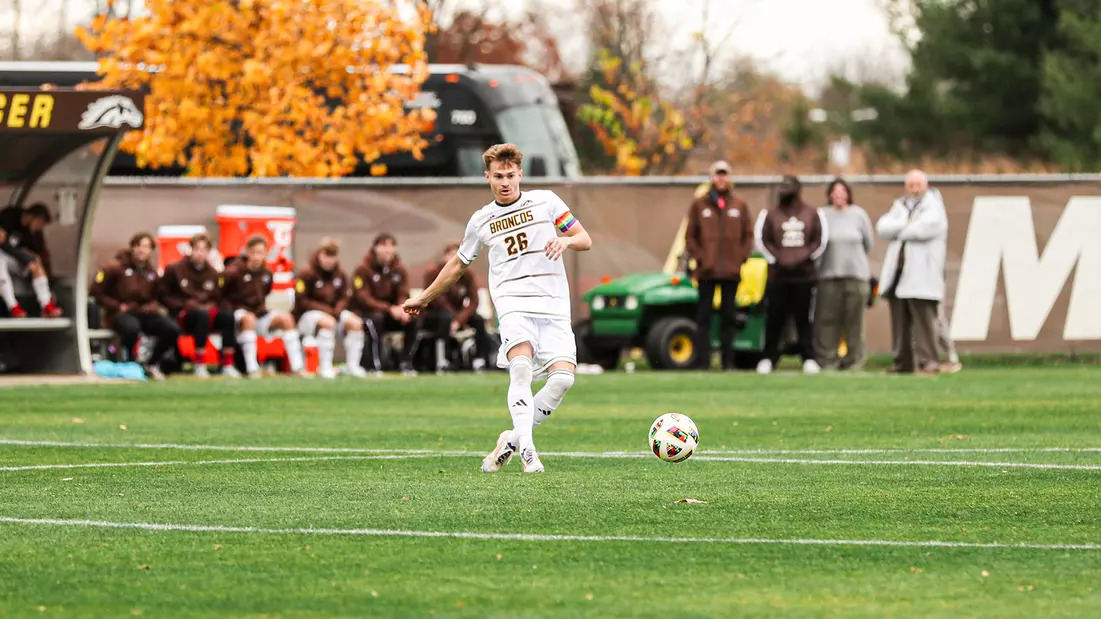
[(1001, 237)]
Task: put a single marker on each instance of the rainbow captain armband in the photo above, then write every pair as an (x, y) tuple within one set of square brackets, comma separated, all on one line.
[(565, 221)]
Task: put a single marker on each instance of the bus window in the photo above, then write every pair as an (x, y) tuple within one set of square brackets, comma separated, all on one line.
[(527, 126)]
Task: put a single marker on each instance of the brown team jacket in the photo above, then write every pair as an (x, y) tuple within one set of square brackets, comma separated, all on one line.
[(460, 300), (792, 236), (318, 289), (719, 235), (245, 289), (377, 287), (185, 287), (123, 282)]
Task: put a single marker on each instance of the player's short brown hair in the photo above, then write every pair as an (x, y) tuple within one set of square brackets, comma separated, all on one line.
[(329, 246), (141, 236), (504, 153), (40, 211), (255, 240), (201, 238), (382, 238)]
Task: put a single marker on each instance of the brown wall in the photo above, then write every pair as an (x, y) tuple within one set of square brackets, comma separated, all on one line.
[(633, 227)]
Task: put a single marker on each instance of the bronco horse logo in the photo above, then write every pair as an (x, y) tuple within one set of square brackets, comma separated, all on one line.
[(113, 111)]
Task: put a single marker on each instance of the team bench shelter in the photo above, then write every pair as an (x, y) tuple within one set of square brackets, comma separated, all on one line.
[(55, 148)]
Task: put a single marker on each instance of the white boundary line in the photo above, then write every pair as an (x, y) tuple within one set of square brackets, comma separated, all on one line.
[(23, 443), (538, 537), (593, 455)]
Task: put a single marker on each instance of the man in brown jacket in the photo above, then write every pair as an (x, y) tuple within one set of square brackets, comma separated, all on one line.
[(321, 295), (792, 236), (189, 291), (126, 290), (246, 284), (457, 308), (380, 286), (719, 238)]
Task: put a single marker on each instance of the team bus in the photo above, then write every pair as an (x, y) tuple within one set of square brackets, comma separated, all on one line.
[(476, 106)]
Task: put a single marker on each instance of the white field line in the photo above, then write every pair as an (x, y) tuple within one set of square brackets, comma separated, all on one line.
[(537, 537), (568, 454), (709, 452), (108, 465)]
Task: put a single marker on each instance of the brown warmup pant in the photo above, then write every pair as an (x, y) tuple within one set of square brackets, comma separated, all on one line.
[(914, 334), (839, 311)]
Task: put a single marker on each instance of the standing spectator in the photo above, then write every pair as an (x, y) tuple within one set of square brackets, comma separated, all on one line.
[(246, 284), (791, 236), (189, 291), (719, 238), (381, 285), (457, 308), (913, 273), (23, 252), (126, 289), (321, 295), (843, 278)]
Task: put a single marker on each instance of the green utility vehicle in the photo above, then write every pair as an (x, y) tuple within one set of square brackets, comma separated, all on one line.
[(656, 312)]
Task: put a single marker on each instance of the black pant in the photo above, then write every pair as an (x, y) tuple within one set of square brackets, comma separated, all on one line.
[(197, 324), (705, 309), (376, 326), (438, 322), (789, 299), (130, 326)]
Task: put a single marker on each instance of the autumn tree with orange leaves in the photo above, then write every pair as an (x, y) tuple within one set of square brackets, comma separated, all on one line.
[(268, 87)]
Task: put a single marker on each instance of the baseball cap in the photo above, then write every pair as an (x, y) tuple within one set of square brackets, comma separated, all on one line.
[(720, 166)]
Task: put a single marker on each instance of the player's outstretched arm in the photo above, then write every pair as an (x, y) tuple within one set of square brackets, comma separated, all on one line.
[(576, 239), (450, 274)]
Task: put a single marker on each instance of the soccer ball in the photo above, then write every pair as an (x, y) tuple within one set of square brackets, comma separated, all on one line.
[(673, 437)]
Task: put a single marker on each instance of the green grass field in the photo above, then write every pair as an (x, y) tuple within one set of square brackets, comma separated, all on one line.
[(855, 495)]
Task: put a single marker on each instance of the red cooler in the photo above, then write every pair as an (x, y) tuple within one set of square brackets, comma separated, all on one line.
[(237, 223), (174, 242)]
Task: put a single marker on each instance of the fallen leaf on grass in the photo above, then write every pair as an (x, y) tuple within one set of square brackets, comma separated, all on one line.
[(217, 546), (77, 420), (692, 501), (122, 426), (136, 612), (405, 498), (66, 479), (459, 604), (985, 573), (499, 557), (143, 566), (828, 429), (916, 570), (588, 596)]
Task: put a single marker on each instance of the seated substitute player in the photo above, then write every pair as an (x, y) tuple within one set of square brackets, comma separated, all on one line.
[(246, 284), (457, 308), (126, 289), (320, 301), (381, 286), (23, 252), (530, 292), (189, 291)]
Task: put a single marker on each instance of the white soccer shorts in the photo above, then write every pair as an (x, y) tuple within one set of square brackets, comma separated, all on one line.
[(307, 324), (551, 339), (263, 323)]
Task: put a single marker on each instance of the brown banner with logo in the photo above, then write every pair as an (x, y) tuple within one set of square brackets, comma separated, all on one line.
[(1053, 302), (24, 110)]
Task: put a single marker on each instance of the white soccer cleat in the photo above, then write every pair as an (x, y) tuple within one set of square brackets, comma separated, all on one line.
[(356, 371), (327, 373), (501, 454), (810, 366), (201, 371), (764, 366), (531, 461), (230, 372)]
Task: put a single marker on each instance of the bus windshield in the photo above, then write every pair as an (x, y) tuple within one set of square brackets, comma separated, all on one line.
[(541, 134)]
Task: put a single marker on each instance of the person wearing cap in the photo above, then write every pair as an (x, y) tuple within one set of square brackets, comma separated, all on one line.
[(23, 252), (719, 238), (792, 236)]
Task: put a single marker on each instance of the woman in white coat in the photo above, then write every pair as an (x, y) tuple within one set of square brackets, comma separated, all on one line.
[(912, 280)]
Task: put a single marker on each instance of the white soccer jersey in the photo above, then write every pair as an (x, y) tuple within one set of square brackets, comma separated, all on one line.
[(521, 277)]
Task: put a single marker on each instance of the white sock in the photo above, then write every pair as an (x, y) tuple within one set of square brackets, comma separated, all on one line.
[(247, 341), (353, 348), (293, 347), (7, 290), (521, 404), (326, 344), (41, 287), (550, 396)]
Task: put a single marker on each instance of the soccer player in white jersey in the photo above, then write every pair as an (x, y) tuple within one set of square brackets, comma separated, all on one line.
[(528, 285)]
